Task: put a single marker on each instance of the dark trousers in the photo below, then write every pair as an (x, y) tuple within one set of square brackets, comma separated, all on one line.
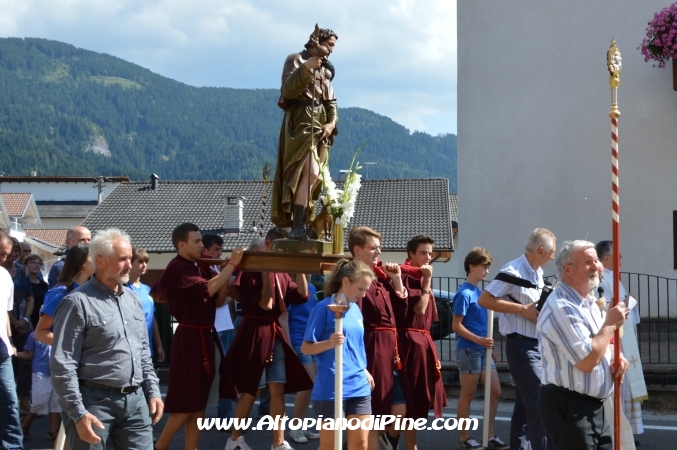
[(22, 369), (524, 361), (573, 421)]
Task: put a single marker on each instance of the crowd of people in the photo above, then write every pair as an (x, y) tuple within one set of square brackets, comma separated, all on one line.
[(81, 351)]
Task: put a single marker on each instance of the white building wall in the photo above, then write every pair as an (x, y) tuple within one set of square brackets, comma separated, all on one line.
[(534, 132)]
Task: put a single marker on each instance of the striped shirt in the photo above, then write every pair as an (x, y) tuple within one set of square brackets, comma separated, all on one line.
[(566, 325), (514, 323)]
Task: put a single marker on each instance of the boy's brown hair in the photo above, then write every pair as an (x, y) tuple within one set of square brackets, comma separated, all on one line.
[(478, 256), (359, 235)]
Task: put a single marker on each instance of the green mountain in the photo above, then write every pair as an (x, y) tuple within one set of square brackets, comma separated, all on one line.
[(68, 111)]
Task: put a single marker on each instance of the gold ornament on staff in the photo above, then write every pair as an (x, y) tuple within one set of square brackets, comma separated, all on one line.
[(614, 63)]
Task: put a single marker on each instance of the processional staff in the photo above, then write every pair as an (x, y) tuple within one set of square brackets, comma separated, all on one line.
[(339, 305), (613, 61), (487, 381)]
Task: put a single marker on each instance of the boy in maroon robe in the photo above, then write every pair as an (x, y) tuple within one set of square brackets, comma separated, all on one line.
[(192, 301), (261, 354), (380, 334), (421, 378)]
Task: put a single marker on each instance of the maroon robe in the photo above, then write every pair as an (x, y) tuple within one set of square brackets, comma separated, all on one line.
[(380, 341), (421, 380), (192, 370), (252, 347)]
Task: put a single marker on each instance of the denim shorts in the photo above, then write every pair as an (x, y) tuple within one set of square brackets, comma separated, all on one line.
[(472, 360), (398, 391), (276, 372), (306, 360), (351, 407)]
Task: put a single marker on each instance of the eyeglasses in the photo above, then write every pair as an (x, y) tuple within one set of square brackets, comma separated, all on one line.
[(372, 248), (35, 261)]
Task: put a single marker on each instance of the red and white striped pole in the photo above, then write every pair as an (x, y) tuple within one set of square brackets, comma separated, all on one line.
[(614, 66)]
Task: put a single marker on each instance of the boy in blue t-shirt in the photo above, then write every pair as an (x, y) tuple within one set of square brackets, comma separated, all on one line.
[(470, 324), (44, 399)]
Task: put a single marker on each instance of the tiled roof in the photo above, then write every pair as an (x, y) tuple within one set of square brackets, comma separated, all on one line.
[(53, 237), (15, 203), (397, 208), (453, 207), (57, 209)]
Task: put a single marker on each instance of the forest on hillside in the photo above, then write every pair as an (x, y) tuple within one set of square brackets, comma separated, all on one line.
[(69, 111)]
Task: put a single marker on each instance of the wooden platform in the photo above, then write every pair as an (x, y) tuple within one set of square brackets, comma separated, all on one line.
[(311, 263)]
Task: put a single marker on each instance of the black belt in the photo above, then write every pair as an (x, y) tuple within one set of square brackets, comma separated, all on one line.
[(125, 390), (522, 337), (554, 387)]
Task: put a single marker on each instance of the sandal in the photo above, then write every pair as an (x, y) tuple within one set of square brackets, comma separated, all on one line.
[(51, 435), (25, 429)]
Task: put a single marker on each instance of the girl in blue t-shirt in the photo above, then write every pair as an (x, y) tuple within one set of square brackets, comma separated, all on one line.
[(470, 324), (352, 279), (77, 269)]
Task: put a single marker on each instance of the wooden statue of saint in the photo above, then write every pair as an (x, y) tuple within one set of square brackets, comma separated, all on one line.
[(309, 125)]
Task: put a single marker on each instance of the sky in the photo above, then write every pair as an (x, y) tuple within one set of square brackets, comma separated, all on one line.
[(394, 57)]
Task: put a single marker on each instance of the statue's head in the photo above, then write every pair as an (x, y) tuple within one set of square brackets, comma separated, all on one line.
[(324, 35)]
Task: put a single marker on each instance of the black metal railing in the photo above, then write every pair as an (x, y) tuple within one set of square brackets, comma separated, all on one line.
[(656, 333), (656, 302)]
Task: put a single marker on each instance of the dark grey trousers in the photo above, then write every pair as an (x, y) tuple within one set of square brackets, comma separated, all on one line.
[(524, 361), (125, 418), (572, 421)]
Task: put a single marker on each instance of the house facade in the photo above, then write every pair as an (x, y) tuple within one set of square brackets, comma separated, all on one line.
[(534, 135), (40, 209)]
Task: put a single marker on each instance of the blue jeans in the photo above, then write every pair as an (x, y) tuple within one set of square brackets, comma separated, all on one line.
[(524, 361), (11, 436), (224, 410)]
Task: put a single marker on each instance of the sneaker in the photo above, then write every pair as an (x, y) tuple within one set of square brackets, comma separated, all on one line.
[(389, 442), (285, 446), (497, 444), (310, 435), (470, 443), (298, 436), (238, 444)]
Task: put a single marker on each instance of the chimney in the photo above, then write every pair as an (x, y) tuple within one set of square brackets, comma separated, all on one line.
[(232, 215), (154, 181), (34, 173)]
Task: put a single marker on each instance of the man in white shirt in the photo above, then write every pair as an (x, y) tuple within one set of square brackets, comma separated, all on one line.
[(12, 436), (517, 321), (577, 354)]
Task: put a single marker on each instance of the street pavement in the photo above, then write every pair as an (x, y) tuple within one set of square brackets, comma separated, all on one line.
[(660, 431)]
